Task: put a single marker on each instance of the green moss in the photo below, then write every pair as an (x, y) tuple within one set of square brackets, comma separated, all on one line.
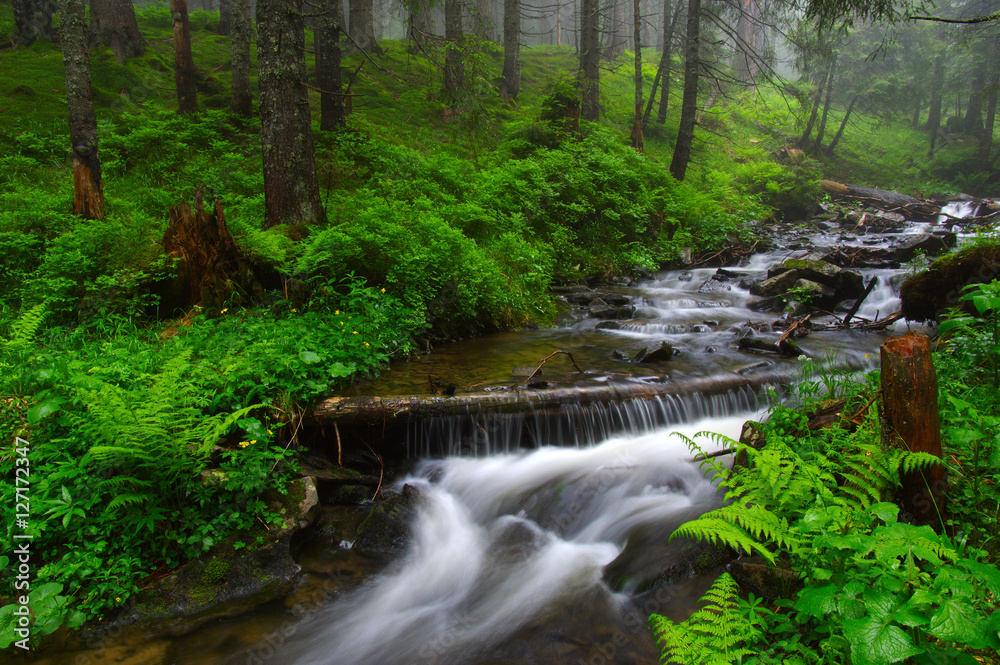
[(929, 294)]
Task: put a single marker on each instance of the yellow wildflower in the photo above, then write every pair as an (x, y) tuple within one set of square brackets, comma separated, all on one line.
[(355, 332), (383, 289), (224, 310), (336, 312), (294, 310)]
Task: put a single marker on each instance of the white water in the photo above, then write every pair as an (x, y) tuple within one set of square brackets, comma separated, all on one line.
[(502, 542)]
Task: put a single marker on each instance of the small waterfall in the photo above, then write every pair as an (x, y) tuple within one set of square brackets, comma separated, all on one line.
[(482, 431), (957, 209), (505, 545)]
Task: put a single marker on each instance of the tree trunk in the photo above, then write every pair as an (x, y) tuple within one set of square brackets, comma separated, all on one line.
[(843, 124), (616, 40), (815, 111), (185, 75), (511, 49), (637, 37), (362, 25), (668, 52), (33, 20), (910, 420), (483, 23), (225, 18), (689, 104), (291, 191), (918, 101), (937, 83), (974, 111), (590, 57), (328, 75), (821, 130), (88, 190), (652, 89), (242, 103), (419, 24), (454, 72), (747, 31), (112, 23), (986, 140)]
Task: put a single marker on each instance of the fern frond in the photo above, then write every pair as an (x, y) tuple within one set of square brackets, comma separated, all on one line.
[(127, 499), (25, 328), (721, 531), (913, 461)]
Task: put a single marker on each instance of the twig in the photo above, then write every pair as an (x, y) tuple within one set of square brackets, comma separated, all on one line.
[(701, 457), (336, 431), (792, 328), (857, 303), (298, 423), (865, 407), (329, 92), (530, 376), (381, 469), (365, 53)]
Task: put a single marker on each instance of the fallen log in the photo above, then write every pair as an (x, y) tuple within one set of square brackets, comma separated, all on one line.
[(857, 303), (376, 409), (883, 199)]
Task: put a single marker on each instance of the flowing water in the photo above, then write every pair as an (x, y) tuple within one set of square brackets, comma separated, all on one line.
[(514, 535)]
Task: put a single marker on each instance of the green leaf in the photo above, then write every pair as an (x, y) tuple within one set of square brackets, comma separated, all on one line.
[(878, 642), (957, 621), (887, 512), (43, 410), (309, 357), (817, 601), (253, 427)]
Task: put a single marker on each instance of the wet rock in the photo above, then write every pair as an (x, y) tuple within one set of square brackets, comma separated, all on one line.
[(625, 313), (608, 325), (773, 304), (928, 294), (723, 275), (786, 347), (616, 299), (925, 242), (244, 571), (297, 507), (756, 367), (621, 354), (711, 322), (387, 527), (657, 353), (601, 310), (755, 575), (777, 285), (636, 570), (713, 286), (699, 328)]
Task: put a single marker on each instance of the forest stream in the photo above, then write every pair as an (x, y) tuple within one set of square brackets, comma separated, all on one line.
[(541, 532)]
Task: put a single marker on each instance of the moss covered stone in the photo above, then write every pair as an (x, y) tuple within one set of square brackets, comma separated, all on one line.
[(929, 294)]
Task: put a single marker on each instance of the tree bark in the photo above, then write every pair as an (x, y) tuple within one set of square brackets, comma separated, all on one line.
[(974, 111), (454, 73), (689, 104), (590, 56), (88, 190), (637, 37), (225, 18), (668, 52), (747, 30), (328, 74), (511, 49), (242, 102), (937, 84), (291, 190), (185, 75), (419, 24), (362, 25), (843, 124), (910, 420), (986, 141), (652, 90), (815, 111), (483, 23), (616, 40), (112, 23), (826, 103), (33, 21)]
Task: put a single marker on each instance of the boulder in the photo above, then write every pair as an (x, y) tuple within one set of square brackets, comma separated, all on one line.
[(599, 309), (928, 294), (608, 325), (656, 353), (928, 243), (386, 529), (777, 285), (297, 506)]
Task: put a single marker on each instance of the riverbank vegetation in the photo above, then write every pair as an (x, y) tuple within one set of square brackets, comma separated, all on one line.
[(853, 579), (148, 412)]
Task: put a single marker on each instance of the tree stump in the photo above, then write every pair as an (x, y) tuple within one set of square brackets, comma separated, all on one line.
[(212, 269), (910, 420)]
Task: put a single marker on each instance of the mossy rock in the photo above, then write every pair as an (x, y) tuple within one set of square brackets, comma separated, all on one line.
[(228, 580), (929, 294), (386, 530)]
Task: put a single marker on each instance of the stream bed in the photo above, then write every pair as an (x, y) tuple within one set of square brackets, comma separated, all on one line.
[(545, 550)]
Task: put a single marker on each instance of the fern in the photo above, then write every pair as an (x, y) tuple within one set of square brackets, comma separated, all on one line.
[(717, 634), (25, 328)]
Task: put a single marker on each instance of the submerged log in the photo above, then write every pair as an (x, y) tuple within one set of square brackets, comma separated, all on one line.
[(910, 420)]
